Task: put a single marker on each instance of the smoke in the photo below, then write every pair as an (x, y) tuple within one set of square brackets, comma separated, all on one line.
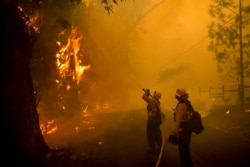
[(160, 45)]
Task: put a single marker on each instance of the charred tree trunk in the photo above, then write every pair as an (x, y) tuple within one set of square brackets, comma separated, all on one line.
[(21, 136)]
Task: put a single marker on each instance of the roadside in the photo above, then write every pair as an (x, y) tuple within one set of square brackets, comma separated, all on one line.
[(234, 122), (114, 140)]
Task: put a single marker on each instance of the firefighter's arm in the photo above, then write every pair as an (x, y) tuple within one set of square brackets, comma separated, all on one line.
[(146, 95), (180, 112)]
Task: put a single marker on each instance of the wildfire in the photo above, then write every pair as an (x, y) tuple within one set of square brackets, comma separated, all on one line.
[(69, 59), (49, 127), (30, 19)]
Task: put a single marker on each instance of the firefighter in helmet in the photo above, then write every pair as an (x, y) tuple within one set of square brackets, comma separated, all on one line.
[(154, 120)]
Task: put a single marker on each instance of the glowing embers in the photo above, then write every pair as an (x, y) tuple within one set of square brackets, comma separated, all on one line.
[(49, 127), (30, 18), (69, 59), (102, 107)]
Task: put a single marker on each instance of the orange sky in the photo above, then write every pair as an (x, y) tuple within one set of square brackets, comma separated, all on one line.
[(171, 35)]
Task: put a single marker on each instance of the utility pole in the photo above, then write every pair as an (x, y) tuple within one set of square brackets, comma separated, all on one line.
[(242, 96)]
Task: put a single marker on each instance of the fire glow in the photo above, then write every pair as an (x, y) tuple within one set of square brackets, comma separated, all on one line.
[(69, 65), (68, 57), (49, 128)]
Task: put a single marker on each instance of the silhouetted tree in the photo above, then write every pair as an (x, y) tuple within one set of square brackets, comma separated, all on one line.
[(23, 142), (230, 40), (224, 34)]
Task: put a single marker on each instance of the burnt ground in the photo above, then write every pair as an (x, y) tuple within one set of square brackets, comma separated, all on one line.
[(118, 139)]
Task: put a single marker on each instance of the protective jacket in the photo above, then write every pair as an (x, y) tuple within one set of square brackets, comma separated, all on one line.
[(153, 109)]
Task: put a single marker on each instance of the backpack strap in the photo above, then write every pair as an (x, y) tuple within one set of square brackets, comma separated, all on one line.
[(190, 110)]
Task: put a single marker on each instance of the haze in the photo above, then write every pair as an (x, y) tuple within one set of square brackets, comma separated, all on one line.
[(169, 42), (160, 45)]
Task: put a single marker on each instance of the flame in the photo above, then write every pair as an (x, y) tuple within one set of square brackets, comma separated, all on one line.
[(84, 112), (68, 87), (30, 19), (49, 128), (106, 106), (68, 57), (43, 128)]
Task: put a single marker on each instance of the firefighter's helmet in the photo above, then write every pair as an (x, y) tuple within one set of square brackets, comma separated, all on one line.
[(157, 94), (180, 92)]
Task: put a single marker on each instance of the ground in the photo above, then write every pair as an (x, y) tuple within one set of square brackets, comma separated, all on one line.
[(232, 121), (118, 139)]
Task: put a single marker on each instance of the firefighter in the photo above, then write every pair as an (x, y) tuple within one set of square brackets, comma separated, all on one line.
[(183, 132), (154, 120)]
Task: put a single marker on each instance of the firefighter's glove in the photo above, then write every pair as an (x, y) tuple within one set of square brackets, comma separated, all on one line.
[(173, 139), (147, 91)]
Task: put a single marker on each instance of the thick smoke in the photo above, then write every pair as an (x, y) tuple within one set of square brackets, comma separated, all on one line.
[(145, 44), (148, 44)]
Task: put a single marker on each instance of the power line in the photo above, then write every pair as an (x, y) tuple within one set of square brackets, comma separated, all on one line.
[(187, 50)]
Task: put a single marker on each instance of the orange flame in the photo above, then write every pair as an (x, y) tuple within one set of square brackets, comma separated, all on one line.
[(49, 128), (30, 19), (68, 62)]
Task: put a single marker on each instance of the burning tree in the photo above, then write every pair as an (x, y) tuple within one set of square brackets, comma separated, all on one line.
[(24, 143), (70, 67), (20, 92)]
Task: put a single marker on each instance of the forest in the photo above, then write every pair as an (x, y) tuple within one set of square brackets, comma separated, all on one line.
[(57, 63)]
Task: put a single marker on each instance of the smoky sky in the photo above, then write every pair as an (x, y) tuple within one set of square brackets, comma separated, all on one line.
[(153, 44), (157, 44)]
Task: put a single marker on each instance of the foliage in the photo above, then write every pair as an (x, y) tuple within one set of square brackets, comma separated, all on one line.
[(108, 4), (224, 34), (52, 18)]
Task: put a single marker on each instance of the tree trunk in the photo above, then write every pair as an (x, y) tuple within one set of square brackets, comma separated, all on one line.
[(21, 135)]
